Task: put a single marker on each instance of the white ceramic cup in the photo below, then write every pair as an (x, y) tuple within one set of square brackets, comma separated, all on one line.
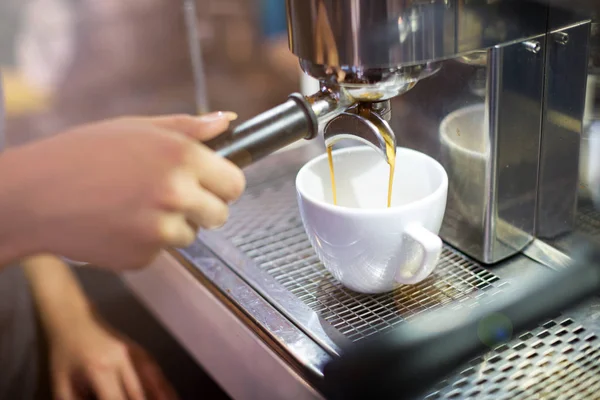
[(367, 246), (465, 147), (589, 163)]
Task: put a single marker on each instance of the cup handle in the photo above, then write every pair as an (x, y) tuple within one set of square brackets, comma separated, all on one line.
[(431, 248)]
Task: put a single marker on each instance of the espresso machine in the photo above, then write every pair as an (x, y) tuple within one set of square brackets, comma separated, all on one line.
[(509, 144), (497, 91)]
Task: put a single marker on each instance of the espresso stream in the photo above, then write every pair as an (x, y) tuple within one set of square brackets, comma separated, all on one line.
[(391, 156)]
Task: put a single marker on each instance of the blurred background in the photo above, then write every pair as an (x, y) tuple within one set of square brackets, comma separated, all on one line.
[(66, 62)]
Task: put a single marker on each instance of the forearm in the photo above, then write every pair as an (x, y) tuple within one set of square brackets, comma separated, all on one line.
[(17, 238), (59, 298)]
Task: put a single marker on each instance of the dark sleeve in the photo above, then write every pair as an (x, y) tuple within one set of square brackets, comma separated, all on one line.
[(18, 337), (590, 6)]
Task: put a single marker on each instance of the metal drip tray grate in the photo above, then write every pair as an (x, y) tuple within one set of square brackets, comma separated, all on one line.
[(274, 238), (559, 360), (287, 256)]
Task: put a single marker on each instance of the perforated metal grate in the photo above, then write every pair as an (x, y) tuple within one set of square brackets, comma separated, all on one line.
[(558, 360), (287, 256)]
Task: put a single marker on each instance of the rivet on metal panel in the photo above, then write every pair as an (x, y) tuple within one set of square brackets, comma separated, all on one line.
[(533, 46), (561, 38)]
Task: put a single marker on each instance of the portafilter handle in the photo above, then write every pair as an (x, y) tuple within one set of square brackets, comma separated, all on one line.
[(268, 132), (299, 118)]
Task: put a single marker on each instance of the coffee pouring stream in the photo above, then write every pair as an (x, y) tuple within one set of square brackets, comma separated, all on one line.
[(366, 125)]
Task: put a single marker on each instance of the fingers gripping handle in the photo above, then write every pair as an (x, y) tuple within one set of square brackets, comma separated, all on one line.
[(430, 246), (268, 132)]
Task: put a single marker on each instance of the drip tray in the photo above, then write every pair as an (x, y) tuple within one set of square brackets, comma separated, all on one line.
[(287, 256), (264, 243)]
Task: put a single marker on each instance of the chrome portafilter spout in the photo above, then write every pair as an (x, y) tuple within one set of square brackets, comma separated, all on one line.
[(364, 123)]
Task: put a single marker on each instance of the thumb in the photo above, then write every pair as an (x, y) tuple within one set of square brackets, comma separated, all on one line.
[(202, 127)]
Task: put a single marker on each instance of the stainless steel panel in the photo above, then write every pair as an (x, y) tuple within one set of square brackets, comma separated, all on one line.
[(384, 33), (555, 253), (564, 105), (559, 359), (481, 118), (586, 231), (514, 101), (219, 338)]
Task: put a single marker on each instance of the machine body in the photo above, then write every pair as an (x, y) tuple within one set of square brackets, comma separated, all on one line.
[(480, 86), (494, 73), (496, 91)]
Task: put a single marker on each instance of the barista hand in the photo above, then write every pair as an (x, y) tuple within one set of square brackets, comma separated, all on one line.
[(89, 357), (115, 193), (86, 355)]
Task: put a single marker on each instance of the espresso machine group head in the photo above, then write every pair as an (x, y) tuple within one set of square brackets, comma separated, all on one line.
[(363, 53), (366, 52)]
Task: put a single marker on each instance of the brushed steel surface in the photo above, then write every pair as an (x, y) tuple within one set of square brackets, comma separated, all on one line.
[(481, 118), (226, 346), (564, 104), (390, 33)]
